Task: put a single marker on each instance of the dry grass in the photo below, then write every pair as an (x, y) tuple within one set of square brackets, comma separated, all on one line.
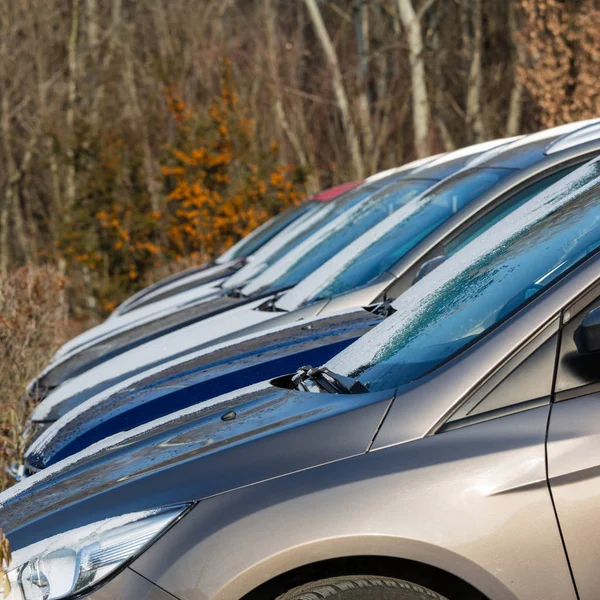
[(33, 324), (4, 562)]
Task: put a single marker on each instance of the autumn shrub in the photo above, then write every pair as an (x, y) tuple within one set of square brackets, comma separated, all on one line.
[(32, 326), (4, 562), (217, 185), (562, 68), (220, 186)]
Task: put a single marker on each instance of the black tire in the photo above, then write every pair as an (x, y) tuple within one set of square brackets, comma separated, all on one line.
[(361, 588)]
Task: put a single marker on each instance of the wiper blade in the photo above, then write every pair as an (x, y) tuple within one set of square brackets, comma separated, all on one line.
[(383, 309), (270, 304), (235, 292), (328, 381)]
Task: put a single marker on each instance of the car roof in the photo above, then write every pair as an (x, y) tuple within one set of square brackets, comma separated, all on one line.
[(333, 192), (533, 147), (451, 162)]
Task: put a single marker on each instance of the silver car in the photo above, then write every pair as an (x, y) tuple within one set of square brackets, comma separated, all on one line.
[(450, 453)]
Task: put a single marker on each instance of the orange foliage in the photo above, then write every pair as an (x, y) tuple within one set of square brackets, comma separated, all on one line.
[(220, 192), (218, 188)]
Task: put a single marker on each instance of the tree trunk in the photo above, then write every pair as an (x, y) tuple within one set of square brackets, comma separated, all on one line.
[(281, 120), (71, 190), (420, 97), (515, 106), (152, 184), (338, 87), (438, 97), (94, 67), (361, 26), (475, 121)]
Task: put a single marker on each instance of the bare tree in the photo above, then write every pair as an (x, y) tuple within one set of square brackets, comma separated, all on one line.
[(474, 113), (420, 103), (338, 86), (71, 189), (515, 107), (283, 124), (361, 26)]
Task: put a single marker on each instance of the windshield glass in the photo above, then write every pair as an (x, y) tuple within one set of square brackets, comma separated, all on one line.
[(338, 207), (269, 230), (292, 269), (300, 230), (481, 285), (428, 213)]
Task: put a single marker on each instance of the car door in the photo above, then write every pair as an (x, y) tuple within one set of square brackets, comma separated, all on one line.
[(573, 449)]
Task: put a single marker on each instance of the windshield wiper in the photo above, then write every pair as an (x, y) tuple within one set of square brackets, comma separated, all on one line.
[(383, 309), (236, 292), (328, 381), (270, 304)]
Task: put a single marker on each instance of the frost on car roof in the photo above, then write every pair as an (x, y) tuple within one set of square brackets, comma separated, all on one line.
[(417, 306)]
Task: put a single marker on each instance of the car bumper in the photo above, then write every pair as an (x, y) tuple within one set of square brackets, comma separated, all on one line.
[(128, 585)]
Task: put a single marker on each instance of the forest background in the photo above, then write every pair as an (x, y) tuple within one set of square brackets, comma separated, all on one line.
[(137, 138)]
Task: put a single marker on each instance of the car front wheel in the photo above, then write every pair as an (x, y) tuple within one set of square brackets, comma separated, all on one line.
[(361, 588)]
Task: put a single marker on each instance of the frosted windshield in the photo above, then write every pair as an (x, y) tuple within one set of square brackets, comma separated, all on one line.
[(482, 284), (260, 236), (322, 246), (427, 213), (299, 231)]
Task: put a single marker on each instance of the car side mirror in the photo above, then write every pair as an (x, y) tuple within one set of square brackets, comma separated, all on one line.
[(429, 266), (587, 335)]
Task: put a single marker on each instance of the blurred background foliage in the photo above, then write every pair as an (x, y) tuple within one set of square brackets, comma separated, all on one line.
[(138, 138)]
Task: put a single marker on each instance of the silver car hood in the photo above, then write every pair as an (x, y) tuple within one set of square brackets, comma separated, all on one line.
[(234, 440)]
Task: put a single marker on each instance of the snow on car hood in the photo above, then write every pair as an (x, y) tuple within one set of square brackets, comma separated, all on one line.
[(414, 303), (47, 408), (159, 350), (136, 317), (216, 372)]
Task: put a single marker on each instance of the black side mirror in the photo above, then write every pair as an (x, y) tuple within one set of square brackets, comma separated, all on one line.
[(587, 335), (428, 266)]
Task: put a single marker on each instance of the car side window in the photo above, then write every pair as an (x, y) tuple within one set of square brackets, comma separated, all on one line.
[(575, 371), (522, 382)]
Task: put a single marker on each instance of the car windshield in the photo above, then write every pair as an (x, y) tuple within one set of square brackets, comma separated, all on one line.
[(300, 230), (481, 285), (300, 264), (361, 264), (269, 230)]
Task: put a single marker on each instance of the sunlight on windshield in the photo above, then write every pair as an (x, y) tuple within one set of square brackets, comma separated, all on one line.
[(482, 284)]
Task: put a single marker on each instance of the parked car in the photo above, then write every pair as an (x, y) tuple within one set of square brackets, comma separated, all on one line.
[(237, 254), (184, 293), (171, 387), (439, 456), (401, 244), (180, 288), (135, 402), (358, 212)]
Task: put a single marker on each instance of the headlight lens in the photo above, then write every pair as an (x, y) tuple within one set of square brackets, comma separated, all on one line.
[(71, 562)]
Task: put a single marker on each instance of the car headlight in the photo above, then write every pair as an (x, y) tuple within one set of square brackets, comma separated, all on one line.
[(72, 562)]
